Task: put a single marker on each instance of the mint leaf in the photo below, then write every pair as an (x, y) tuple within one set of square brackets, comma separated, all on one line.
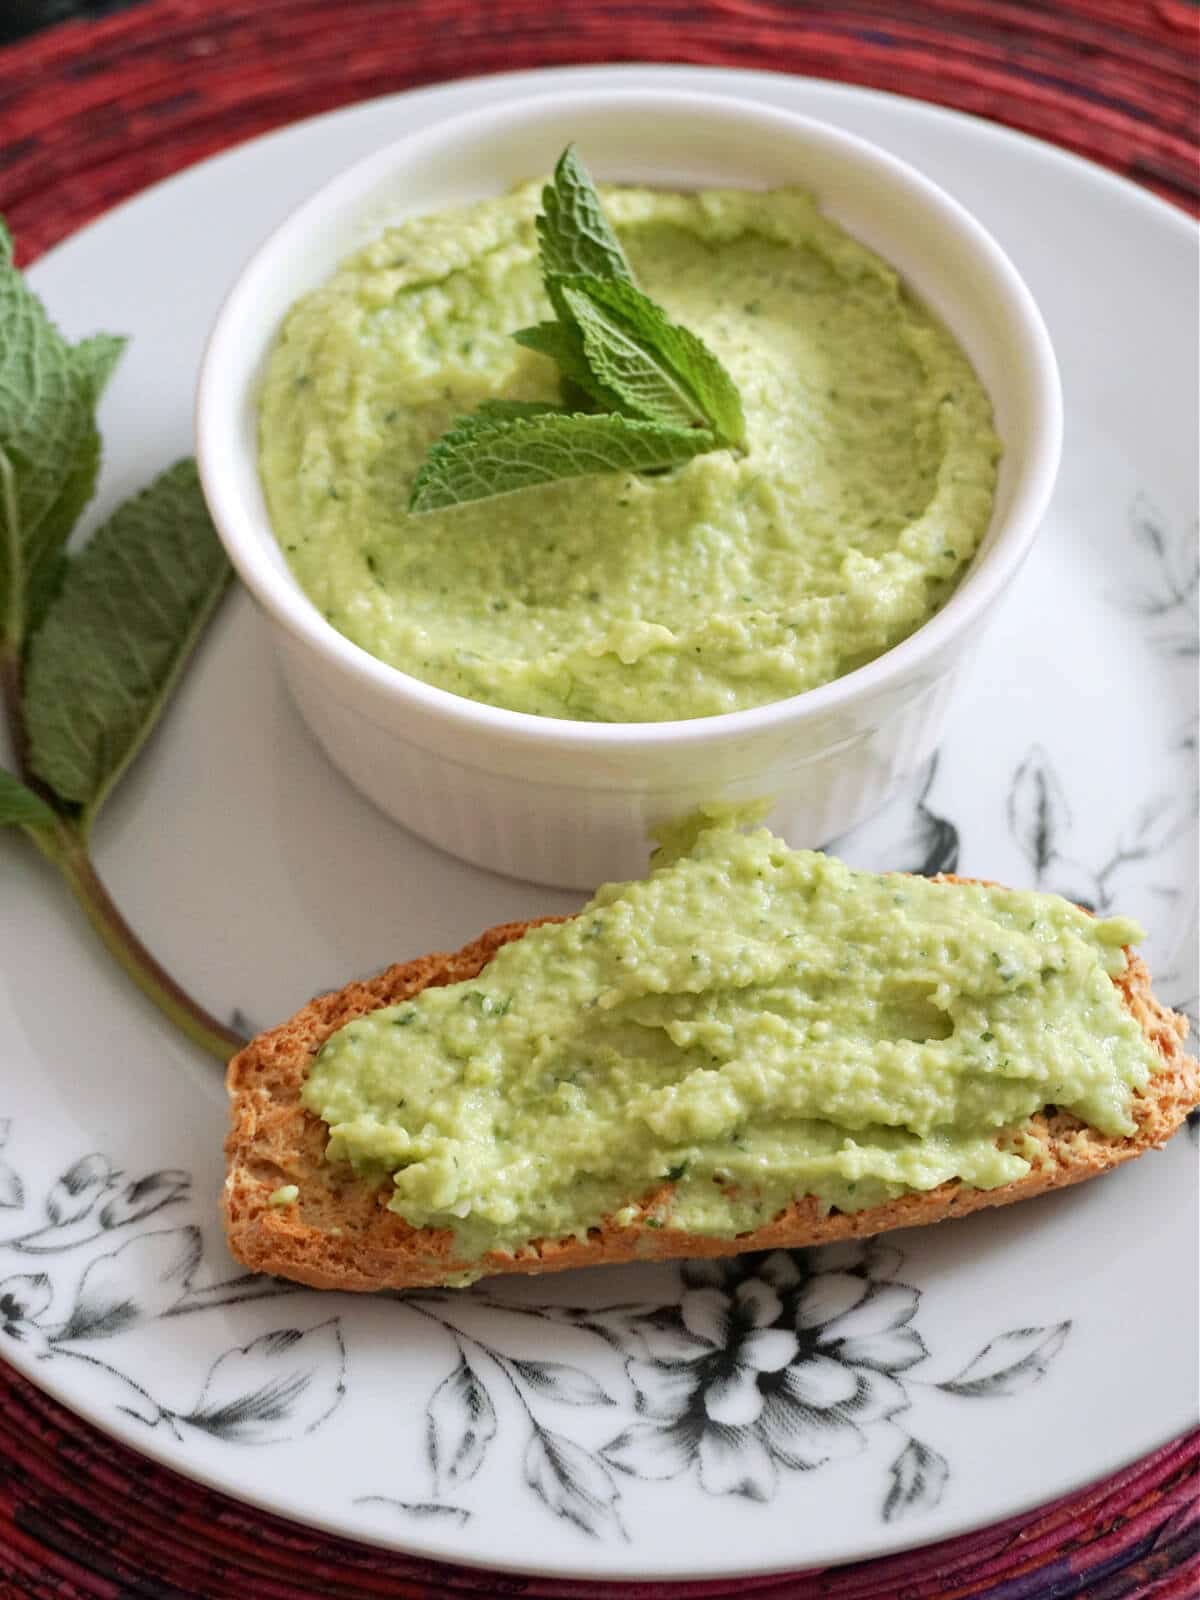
[(116, 638), (645, 385), (20, 806), (660, 371), (96, 360), (573, 233), (563, 343), (511, 410), (664, 395), (478, 459), (49, 448)]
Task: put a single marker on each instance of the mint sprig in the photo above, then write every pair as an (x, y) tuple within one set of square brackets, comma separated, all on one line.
[(641, 392), (91, 645)]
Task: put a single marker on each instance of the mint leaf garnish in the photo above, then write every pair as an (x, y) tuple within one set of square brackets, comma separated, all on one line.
[(645, 387), (132, 606), (96, 360), (573, 232), (563, 343), (49, 447), (478, 458), (663, 395), (660, 371), (91, 645), (20, 806), (512, 410)]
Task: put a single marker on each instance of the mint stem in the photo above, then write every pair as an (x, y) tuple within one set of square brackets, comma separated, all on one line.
[(10, 693), (11, 684), (68, 851), (67, 848)]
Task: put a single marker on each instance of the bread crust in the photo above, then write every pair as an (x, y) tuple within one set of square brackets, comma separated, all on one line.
[(339, 1234)]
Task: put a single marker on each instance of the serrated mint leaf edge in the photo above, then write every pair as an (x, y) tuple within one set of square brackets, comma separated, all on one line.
[(510, 411), (94, 360), (574, 235), (63, 446)]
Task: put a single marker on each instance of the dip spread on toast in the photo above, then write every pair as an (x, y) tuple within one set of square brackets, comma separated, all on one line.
[(748, 1024)]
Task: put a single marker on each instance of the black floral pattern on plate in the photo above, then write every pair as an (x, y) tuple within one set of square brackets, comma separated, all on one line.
[(278, 1386), (1041, 821), (746, 1373), (1170, 591), (747, 1370), (762, 1366), (908, 835)]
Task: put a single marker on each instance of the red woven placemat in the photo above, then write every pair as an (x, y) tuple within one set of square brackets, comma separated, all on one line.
[(93, 112), (82, 1517)]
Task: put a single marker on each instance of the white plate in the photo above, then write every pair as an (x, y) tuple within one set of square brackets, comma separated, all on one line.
[(981, 1367)]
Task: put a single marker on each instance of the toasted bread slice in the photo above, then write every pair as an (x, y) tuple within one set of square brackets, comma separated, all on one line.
[(339, 1234)]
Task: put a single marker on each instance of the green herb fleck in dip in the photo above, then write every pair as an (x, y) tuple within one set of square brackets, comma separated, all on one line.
[(740, 578)]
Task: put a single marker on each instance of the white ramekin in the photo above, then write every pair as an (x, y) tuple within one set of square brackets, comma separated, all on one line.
[(571, 803)]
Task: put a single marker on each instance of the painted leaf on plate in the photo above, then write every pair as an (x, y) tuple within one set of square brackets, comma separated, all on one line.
[(919, 1476), (144, 1196), (423, 1510), (72, 1196), (140, 1281), (278, 1387), (571, 1481), (1010, 1363), (460, 1424), (1038, 813), (558, 1381), (24, 1297)]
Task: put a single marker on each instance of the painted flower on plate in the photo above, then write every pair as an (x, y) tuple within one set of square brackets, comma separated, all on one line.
[(778, 1360)]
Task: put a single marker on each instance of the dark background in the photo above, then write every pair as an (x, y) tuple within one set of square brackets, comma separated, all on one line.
[(19, 17)]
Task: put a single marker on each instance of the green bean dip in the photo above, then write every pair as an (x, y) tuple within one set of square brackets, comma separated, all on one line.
[(739, 579)]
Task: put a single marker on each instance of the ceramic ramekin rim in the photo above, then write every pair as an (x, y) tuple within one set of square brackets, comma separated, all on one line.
[(245, 535)]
